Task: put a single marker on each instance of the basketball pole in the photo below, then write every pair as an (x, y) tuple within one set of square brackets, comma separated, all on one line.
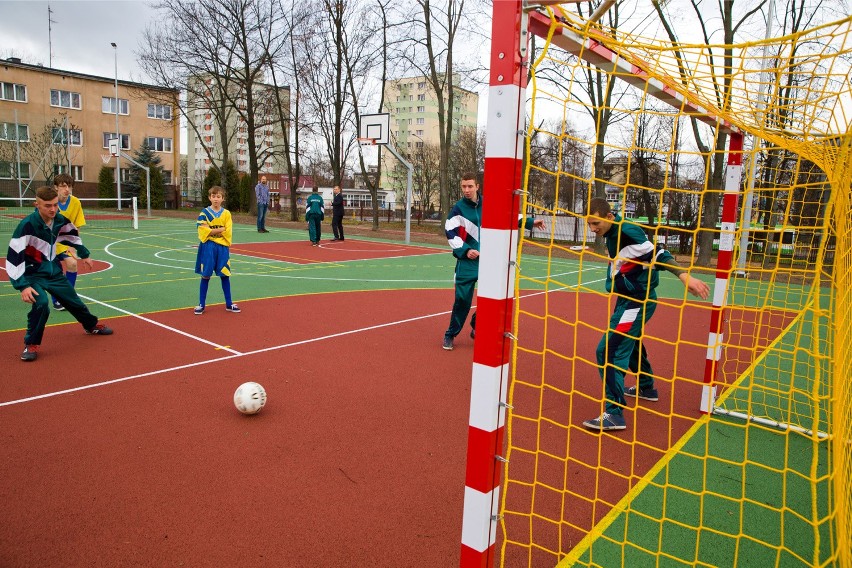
[(408, 190)]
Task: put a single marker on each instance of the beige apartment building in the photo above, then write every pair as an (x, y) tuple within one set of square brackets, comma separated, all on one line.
[(205, 144), (413, 108), (56, 121)]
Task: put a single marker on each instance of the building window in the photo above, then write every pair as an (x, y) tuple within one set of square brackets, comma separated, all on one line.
[(159, 144), (67, 137), (420, 120), (419, 133), (65, 99), (167, 177), (421, 109), (108, 105), (7, 170), (76, 171), (13, 92), (8, 132), (163, 112), (125, 140), (421, 97), (421, 85), (419, 144)]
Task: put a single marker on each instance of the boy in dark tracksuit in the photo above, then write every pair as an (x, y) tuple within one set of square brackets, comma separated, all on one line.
[(31, 266), (633, 275), (462, 227)]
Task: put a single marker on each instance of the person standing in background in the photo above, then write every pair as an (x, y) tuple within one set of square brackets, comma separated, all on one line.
[(70, 208), (337, 212), (261, 190), (314, 214)]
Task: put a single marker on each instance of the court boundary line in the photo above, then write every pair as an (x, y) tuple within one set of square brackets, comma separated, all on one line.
[(218, 359)]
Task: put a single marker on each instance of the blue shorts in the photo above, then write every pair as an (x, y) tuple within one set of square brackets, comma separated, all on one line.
[(213, 257)]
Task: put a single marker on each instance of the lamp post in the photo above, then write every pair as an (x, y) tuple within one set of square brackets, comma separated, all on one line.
[(117, 134)]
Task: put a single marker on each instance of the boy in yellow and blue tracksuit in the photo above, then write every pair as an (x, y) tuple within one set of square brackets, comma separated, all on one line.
[(633, 275), (215, 231)]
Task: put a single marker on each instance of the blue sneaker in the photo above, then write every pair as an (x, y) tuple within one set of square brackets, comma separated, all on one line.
[(606, 422), (199, 309), (644, 394)]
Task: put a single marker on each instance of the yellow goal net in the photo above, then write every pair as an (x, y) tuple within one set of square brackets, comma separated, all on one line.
[(737, 160)]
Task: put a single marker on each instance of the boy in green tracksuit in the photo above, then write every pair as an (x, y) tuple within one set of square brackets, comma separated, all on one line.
[(462, 227), (33, 270), (633, 274), (314, 214)]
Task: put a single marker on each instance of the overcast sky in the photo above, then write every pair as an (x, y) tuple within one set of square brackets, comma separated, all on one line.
[(81, 33)]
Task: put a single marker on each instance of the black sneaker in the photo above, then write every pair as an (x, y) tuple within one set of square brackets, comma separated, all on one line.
[(99, 329), (644, 394), (233, 308), (448, 343), (199, 309), (58, 307), (606, 422), (30, 353)]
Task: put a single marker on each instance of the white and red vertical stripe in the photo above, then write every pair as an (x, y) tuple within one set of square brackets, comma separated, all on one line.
[(498, 248), (727, 238)]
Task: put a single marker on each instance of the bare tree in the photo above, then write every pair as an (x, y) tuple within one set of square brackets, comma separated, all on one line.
[(45, 151), (719, 62), (289, 113), (429, 51)]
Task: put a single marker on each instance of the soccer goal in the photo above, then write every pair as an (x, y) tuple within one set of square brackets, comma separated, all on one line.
[(738, 160)]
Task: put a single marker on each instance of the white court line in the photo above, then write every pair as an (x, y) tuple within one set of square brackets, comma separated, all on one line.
[(164, 326), (218, 359), (235, 353)]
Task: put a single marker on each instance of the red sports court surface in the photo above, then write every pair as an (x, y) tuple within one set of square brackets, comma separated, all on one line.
[(127, 450)]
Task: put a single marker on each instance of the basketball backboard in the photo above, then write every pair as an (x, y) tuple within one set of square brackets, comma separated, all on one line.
[(113, 147), (375, 126)]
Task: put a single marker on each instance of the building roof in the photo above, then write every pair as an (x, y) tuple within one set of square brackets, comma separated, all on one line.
[(16, 62)]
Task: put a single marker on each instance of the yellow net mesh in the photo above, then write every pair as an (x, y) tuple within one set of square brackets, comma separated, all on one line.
[(764, 479)]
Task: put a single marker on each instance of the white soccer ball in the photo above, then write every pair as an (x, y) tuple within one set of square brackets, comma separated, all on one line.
[(249, 398)]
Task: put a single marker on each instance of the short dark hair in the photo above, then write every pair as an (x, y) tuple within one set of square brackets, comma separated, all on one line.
[(216, 189), (46, 193), (63, 178), (469, 175), (599, 207)]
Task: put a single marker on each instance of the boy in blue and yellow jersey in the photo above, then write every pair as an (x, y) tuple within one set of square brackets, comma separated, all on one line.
[(32, 268), (633, 275), (215, 230), (462, 227), (70, 208), (314, 214)]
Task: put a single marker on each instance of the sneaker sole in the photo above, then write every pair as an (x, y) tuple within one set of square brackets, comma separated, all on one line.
[(603, 428), (642, 397)]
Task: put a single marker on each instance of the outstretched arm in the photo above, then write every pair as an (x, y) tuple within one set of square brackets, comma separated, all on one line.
[(695, 286)]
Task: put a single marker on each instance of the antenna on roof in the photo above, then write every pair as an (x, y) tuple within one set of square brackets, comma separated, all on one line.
[(49, 37)]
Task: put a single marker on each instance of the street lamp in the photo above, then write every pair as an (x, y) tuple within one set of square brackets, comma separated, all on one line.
[(117, 134)]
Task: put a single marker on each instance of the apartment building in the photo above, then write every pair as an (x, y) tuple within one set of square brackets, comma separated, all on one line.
[(413, 107), (206, 144), (57, 121)]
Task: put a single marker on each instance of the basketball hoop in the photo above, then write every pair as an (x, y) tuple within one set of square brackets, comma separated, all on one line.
[(105, 158), (367, 141)]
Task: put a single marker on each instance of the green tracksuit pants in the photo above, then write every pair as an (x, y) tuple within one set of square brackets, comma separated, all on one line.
[(64, 293), (621, 350), (314, 227), (466, 276)]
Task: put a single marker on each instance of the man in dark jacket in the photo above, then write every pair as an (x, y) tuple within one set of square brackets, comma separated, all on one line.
[(31, 266), (633, 275), (337, 212)]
